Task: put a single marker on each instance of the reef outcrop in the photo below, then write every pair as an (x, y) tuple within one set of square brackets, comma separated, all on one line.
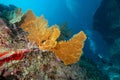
[(107, 20), (107, 23)]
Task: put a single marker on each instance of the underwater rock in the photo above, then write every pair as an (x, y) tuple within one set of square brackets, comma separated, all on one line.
[(107, 20), (107, 23), (8, 45), (40, 65), (92, 71)]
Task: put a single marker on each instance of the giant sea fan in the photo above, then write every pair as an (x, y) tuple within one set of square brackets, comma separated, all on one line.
[(46, 38)]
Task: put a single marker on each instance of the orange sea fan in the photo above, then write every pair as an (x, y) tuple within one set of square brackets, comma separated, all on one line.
[(39, 32), (70, 51), (45, 37)]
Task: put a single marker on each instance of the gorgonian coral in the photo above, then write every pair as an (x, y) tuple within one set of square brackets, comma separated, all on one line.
[(70, 51), (39, 32), (45, 37)]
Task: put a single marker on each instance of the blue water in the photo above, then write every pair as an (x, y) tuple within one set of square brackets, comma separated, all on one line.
[(77, 13)]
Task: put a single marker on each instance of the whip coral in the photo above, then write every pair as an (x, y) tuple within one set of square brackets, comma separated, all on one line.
[(45, 37)]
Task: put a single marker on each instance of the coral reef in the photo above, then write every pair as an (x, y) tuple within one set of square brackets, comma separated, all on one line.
[(35, 53), (7, 49), (36, 64), (10, 13), (4, 35), (46, 38), (16, 16), (44, 66)]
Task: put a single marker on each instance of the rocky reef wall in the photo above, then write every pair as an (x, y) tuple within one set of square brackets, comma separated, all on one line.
[(107, 23)]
